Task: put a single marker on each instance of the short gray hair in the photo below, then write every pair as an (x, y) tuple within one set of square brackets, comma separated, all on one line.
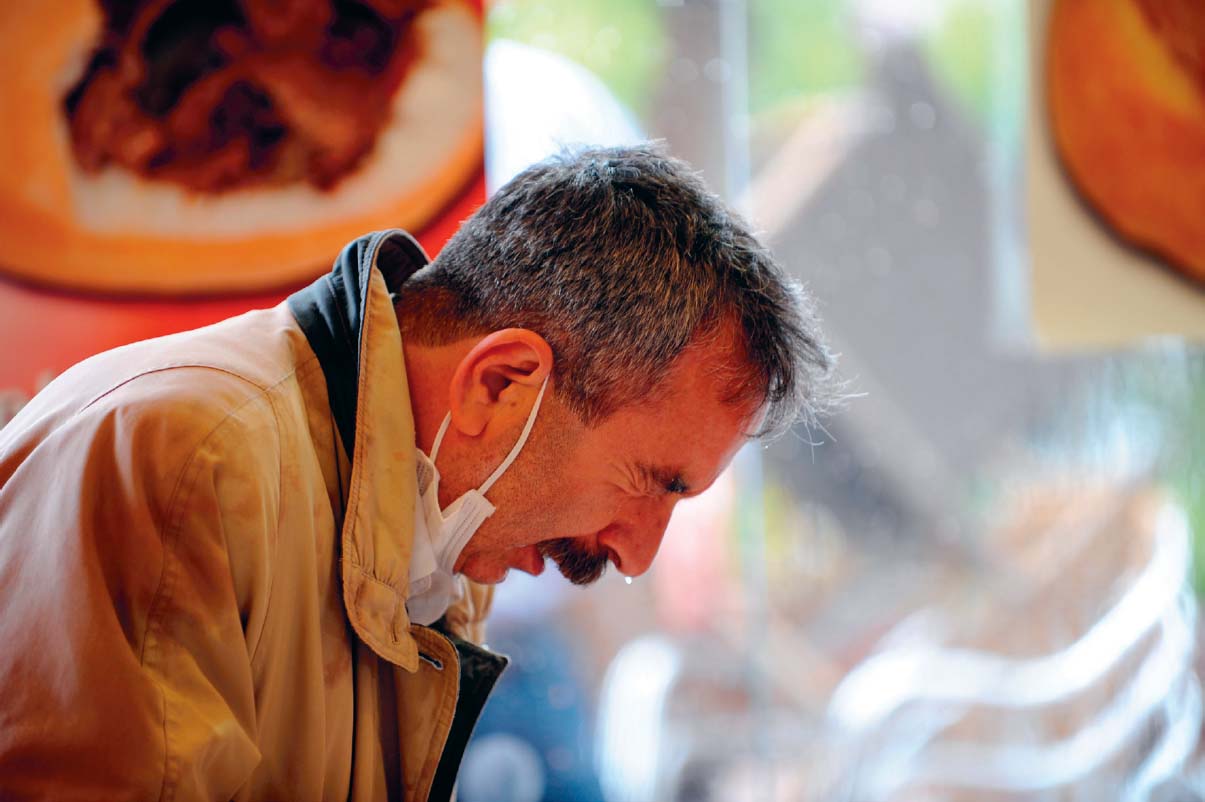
[(621, 258)]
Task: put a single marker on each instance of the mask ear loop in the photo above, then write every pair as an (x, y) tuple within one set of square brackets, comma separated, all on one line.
[(514, 452), (439, 437)]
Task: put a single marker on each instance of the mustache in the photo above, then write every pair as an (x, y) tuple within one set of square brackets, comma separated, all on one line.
[(578, 564)]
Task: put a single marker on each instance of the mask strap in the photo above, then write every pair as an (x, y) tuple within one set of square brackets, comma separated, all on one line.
[(514, 452), (439, 438)]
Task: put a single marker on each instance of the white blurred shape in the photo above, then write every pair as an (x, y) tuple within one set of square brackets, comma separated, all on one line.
[(501, 768), (930, 688), (887, 681), (631, 710), (538, 102), (895, 20)]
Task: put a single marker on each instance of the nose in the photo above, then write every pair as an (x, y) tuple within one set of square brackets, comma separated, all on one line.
[(635, 539)]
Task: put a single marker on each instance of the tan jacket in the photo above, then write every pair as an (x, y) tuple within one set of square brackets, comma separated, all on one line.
[(201, 597)]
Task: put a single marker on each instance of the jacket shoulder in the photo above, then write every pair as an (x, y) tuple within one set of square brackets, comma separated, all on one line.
[(261, 347), (151, 410), (194, 375)]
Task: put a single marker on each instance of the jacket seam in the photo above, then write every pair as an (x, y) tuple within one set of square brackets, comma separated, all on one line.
[(254, 650), (293, 375), (158, 602), (188, 477), (175, 366), (173, 499)]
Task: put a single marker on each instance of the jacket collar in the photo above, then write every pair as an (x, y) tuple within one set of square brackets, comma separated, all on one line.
[(348, 318)]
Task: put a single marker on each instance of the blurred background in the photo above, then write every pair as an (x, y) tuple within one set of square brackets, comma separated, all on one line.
[(980, 579), (976, 582)]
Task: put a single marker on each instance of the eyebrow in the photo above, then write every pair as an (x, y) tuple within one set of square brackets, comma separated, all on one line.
[(670, 479)]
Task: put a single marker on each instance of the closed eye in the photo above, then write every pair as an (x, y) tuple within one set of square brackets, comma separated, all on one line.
[(661, 481)]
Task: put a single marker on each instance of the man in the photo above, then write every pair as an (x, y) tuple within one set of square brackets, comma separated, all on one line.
[(248, 562)]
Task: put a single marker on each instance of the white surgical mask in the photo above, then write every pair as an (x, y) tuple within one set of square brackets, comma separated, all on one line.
[(440, 535)]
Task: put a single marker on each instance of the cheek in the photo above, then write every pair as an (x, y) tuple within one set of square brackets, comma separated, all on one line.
[(573, 509), (569, 495), (596, 508)]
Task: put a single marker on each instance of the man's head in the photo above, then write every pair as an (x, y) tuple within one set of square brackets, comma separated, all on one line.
[(669, 333)]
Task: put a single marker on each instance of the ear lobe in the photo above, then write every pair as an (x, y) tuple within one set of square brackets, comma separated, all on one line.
[(499, 361)]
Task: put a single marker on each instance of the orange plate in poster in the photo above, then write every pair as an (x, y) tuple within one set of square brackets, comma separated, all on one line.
[(187, 170), (1126, 86), (1115, 172)]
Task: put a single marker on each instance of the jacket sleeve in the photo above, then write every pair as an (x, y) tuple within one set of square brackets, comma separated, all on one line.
[(124, 671)]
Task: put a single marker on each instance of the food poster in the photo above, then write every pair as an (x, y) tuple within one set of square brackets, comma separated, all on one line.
[(1116, 170), (171, 164)]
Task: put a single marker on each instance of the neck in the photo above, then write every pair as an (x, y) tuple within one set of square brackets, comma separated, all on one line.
[(429, 371)]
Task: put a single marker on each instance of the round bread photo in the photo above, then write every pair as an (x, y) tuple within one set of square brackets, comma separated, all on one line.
[(1125, 84), (207, 146)]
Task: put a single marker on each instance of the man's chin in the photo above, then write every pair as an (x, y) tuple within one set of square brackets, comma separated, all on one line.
[(484, 574)]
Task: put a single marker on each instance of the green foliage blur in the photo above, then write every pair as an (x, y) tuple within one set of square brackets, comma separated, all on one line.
[(977, 53), (800, 47), (620, 41), (796, 47), (960, 55)]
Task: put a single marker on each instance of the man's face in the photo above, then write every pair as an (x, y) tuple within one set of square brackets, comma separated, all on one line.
[(585, 496)]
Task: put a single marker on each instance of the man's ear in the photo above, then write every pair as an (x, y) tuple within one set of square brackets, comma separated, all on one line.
[(501, 374)]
